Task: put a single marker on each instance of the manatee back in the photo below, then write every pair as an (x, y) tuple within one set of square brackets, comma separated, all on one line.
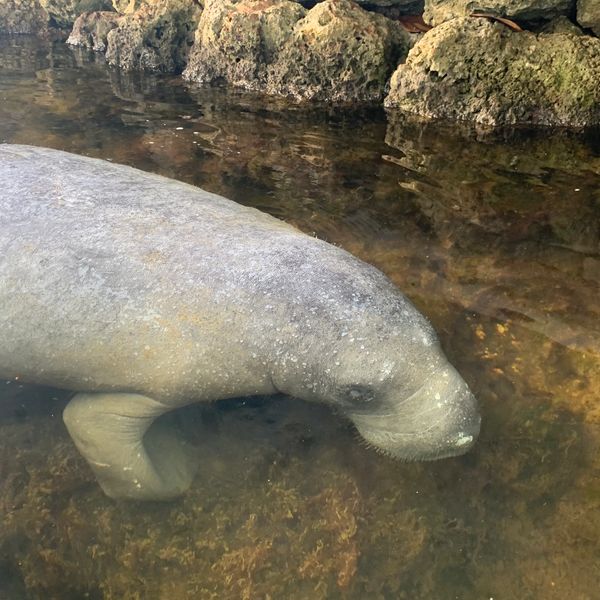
[(95, 255)]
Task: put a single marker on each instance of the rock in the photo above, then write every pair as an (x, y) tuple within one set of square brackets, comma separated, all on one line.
[(91, 30), (407, 7), (561, 25), (126, 7), (157, 37), (36, 16), (338, 53), (335, 52), (439, 11), (64, 12), (475, 70), (237, 41), (23, 16), (588, 15)]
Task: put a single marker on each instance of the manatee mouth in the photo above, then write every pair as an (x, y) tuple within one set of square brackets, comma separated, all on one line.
[(439, 420), (412, 447)]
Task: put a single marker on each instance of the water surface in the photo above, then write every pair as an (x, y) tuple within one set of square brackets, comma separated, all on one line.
[(495, 238)]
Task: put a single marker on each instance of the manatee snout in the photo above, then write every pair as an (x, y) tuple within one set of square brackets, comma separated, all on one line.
[(441, 419)]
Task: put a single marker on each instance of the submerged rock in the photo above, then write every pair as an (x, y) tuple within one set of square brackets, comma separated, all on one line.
[(439, 11), (157, 37), (588, 14), (91, 30), (471, 69), (335, 52)]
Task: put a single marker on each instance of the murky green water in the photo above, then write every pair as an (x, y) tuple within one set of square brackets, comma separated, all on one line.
[(497, 240)]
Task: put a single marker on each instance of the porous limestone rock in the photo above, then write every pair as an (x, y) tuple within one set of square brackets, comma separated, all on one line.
[(336, 52), (408, 7), (561, 25), (237, 41), (157, 37), (588, 14), (439, 11), (35, 16), (23, 16), (91, 30), (64, 12), (126, 7), (476, 70)]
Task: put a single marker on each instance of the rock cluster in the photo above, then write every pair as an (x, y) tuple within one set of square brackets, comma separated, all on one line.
[(36, 16), (467, 67), (153, 35), (335, 52)]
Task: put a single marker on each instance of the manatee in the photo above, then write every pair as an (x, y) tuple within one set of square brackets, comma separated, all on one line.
[(142, 294)]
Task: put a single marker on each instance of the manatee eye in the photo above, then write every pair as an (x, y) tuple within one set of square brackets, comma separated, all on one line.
[(359, 396)]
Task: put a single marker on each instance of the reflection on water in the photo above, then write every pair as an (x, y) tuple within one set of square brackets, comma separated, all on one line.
[(496, 239)]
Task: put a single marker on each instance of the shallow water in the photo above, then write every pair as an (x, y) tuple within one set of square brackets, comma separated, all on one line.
[(495, 238)]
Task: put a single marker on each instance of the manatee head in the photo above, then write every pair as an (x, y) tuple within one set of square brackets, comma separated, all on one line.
[(404, 397), (386, 372)]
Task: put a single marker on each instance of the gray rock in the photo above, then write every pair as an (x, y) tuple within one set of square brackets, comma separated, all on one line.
[(475, 70), (439, 11), (588, 14)]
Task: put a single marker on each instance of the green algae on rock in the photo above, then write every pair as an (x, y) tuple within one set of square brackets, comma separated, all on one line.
[(471, 69)]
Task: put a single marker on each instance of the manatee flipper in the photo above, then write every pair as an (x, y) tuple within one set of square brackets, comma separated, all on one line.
[(129, 458)]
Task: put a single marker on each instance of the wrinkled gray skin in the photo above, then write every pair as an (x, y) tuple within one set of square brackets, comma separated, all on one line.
[(144, 294)]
